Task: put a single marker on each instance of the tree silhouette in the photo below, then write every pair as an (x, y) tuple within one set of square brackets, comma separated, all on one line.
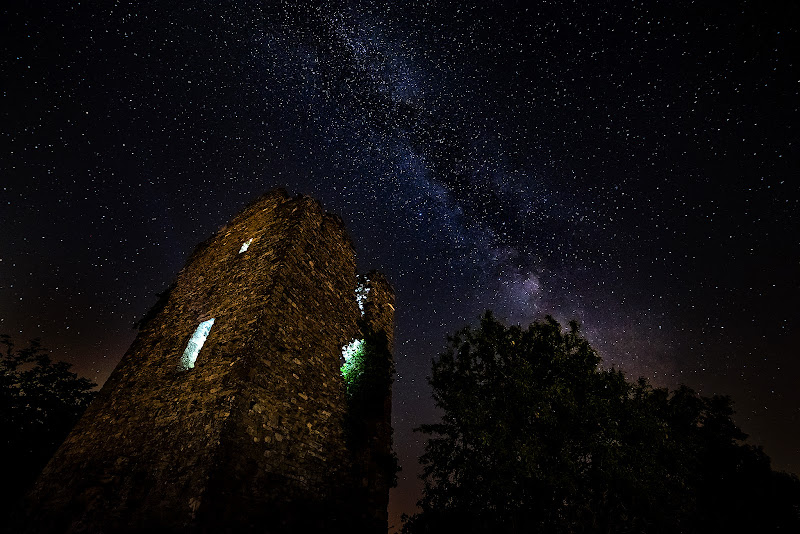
[(536, 437), (40, 401)]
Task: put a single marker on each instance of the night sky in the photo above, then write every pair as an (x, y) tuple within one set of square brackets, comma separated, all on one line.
[(633, 166)]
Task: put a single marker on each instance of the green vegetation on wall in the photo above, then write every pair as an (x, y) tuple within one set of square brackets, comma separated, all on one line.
[(353, 366), (367, 373), (368, 368)]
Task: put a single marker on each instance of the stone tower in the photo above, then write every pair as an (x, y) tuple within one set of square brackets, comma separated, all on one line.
[(231, 411)]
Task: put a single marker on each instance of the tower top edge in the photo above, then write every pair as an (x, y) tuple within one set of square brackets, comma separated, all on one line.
[(378, 279), (282, 196)]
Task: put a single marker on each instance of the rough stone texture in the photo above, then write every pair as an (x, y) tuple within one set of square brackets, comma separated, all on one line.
[(251, 439)]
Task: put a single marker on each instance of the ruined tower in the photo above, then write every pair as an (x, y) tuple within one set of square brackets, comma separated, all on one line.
[(236, 408)]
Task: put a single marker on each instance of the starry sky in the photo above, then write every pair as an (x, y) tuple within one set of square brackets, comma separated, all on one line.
[(632, 165)]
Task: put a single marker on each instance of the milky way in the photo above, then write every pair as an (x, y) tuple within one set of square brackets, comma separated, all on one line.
[(634, 167)]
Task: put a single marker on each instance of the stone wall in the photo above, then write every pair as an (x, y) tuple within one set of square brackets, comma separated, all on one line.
[(252, 437), (373, 459)]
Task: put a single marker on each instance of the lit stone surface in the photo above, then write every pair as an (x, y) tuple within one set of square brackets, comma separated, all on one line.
[(250, 438)]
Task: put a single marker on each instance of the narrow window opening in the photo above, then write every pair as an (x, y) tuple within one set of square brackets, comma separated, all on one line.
[(245, 245), (195, 344)]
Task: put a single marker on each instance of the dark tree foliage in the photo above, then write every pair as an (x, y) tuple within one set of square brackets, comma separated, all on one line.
[(536, 437), (40, 401)]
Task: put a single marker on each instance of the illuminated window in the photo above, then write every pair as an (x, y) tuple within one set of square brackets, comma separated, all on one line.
[(195, 344), (245, 245)]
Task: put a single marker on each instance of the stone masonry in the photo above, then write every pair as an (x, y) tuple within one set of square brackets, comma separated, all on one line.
[(252, 438)]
